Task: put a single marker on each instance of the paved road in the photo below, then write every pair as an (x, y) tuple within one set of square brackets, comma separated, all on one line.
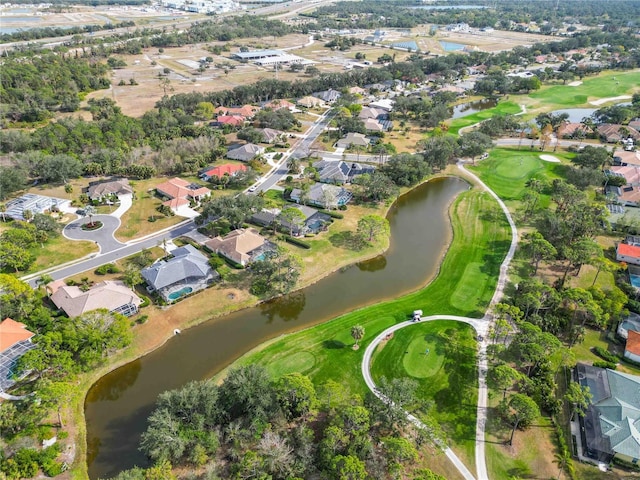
[(113, 255), (103, 236)]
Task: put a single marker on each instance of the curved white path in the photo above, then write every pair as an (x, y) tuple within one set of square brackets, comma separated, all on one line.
[(481, 325)]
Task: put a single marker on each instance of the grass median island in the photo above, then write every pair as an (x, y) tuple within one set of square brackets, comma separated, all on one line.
[(441, 357), (481, 238)]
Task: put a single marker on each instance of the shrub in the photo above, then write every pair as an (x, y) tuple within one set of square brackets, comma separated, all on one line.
[(297, 242), (342, 207), (603, 364), (145, 301), (624, 464), (142, 319), (606, 355), (107, 268), (333, 214)]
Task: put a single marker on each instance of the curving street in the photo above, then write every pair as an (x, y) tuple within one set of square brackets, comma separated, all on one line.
[(481, 325), (103, 237)]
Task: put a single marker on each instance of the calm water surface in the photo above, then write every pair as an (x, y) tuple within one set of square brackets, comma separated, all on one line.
[(117, 406)]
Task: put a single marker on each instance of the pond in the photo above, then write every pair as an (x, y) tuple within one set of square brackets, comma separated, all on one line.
[(469, 108), (118, 405), (451, 46)]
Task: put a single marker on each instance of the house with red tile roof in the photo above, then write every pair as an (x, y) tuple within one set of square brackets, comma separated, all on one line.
[(222, 170), (15, 341), (247, 111), (277, 104), (628, 254), (632, 348), (233, 120), (180, 193)]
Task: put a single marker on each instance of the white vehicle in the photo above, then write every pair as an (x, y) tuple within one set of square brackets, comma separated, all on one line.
[(417, 315), (253, 188)]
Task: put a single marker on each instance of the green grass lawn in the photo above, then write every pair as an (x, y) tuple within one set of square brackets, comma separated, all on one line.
[(507, 171), (595, 338), (503, 108), (60, 250), (446, 375), (602, 86), (464, 286)]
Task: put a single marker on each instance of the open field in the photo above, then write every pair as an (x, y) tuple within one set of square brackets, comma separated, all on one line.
[(441, 357), (464, 286), (60, 250)]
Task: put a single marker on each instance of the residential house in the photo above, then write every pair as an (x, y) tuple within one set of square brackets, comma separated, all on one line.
[(627, 195), (269, 135), (632, 322), (610, 427), (232, 120), (241, 246), (572, 129), (246, 111), (339, 172), (15, 341), (384, 104), (314, 221), (103, 190), (310, 102), (628, 254), (187, 271), (370, 112), (372, 125), (353, 139), (614, 133), (328, 96), (245, 153), (635, 124), (114, 296), (221, 170), (322, 195), (631, 173), (632, 349), (623, 157), (180, 193), (357, 90), (33, 203), (278, 104)]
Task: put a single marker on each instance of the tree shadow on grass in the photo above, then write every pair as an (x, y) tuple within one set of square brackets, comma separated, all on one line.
[(347, 240), (495, 253), (333, 344)]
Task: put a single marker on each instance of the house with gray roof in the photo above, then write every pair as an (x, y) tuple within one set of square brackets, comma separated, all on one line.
[(322, 195), (328, 96), (245, 153), (188, 271), (340, 172), (114, 296), (104, 189), (314, 220), (353, 139), (611, 425)]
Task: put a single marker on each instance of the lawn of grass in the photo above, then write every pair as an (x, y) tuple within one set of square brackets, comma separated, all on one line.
[(447, 375), (592, 88), (60, 250), (507, 171), (596, 338), (135, 222), (503, 108), (464, 286)]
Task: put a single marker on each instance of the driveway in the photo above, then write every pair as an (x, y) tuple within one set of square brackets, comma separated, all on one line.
[(103, 236)]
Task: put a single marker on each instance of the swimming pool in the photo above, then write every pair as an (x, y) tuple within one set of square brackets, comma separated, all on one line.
[(635, 280), (177, 294)]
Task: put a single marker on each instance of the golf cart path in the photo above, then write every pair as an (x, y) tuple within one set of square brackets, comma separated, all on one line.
[(481, 325)]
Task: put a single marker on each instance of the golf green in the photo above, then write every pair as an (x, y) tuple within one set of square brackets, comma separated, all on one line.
[(421, 359)]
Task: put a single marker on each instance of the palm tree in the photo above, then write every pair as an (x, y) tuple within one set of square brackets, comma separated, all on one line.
[(45, 280), (90, 211), (357, 332)]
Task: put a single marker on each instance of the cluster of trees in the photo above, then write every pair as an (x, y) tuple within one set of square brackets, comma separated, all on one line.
[(497, 82), (20, 242), (49, 32), (253, 426)]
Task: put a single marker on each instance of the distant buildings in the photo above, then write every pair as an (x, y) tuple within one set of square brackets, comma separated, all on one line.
[(203, 6), (270, 57)]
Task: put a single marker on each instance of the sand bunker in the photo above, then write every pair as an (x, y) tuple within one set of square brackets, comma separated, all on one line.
[(575, 84), (549, 158), (610, 99)]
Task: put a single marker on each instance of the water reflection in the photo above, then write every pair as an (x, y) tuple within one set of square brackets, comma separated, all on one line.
[(286, 308), (470, 108), (373, 265)]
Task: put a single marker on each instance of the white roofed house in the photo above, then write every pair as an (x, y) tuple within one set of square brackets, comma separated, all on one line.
[(322, 195)]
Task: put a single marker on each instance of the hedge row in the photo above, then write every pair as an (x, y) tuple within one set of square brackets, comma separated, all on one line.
[(297, 242), (606, 355), (603, 364)]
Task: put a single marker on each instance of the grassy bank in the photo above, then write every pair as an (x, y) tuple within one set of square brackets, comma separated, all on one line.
[(503, 108)]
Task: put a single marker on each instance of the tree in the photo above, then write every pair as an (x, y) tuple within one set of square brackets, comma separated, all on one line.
[(132, 276), (348, 468), (294, 217), (473, 144), (539, 249), (15, 257), (370, 227), (312, 71), (17, 299), (276, 274), (519, 410), (376, 186), (12, 179), (296, 395), (60, 168), (579, 397), (357, 332), (439, 151), (502, 377), (405, 169), (234, 209), (592, 157), (90, 211)]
